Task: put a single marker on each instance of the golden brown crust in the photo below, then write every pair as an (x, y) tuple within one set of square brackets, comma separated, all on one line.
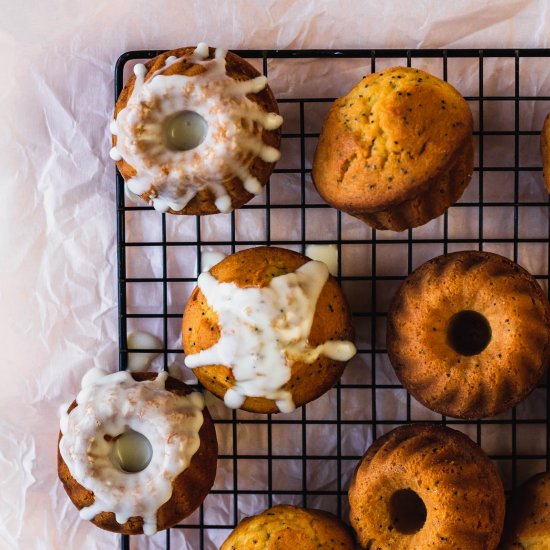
[(256, 267), (431, 203), (497, 378), (189, 489), (398, 137), (545, 151), (455, 479), (238, 69), (527, 523), (284, 526)]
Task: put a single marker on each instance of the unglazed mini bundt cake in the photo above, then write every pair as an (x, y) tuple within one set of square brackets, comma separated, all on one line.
[(425, 486), (469, 334), (267, 330), (284, 527), (397, 151), (136, 494), (196, 131), (527, 523)]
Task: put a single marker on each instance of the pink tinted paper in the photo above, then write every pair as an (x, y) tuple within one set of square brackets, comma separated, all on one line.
[(57, 225)]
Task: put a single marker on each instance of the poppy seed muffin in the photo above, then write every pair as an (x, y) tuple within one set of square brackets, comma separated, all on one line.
[(285, 526), (425, 486), (267, 330), (527, 523), (396, 151), (469, 334)]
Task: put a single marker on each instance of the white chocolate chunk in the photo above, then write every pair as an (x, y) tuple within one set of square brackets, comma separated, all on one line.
[(326, 253), (139, 362)]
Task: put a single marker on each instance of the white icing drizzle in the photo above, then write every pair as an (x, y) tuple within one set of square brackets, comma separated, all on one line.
[(209, 258), (234, 136), (109, 405), (326, 253), (264, 330), (132, 196), (114, 154), (138, 362)]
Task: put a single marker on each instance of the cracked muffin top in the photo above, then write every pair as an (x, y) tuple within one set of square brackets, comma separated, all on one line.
[(388, 139), (285, 526)]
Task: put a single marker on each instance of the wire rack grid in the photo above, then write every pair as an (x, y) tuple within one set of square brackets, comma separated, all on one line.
[(307, 458)]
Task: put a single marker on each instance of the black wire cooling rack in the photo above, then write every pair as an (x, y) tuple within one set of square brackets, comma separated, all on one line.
[(307, 458)]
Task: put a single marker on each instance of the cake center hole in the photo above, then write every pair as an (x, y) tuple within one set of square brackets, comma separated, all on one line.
[(184, 131), (131, 452), (469, 333), (408, 511)]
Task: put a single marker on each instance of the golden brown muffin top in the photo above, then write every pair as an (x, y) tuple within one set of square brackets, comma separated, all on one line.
[(527, 524), (284, 527), (256, 267), (388, 138)]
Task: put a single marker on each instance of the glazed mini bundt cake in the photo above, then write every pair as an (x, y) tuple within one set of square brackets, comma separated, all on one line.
[(396, 151), (469, 334), (285, 527), (126, 491), (267, 330), (426, 486), (196, 131), (527, 523)]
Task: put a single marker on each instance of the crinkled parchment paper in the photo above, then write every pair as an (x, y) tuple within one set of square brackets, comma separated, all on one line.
[(58, 258)]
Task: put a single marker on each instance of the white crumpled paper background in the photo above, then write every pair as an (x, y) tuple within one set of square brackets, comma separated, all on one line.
[(58, 307)]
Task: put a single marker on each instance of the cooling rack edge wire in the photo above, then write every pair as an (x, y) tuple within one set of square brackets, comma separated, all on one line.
[(374, 389)]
